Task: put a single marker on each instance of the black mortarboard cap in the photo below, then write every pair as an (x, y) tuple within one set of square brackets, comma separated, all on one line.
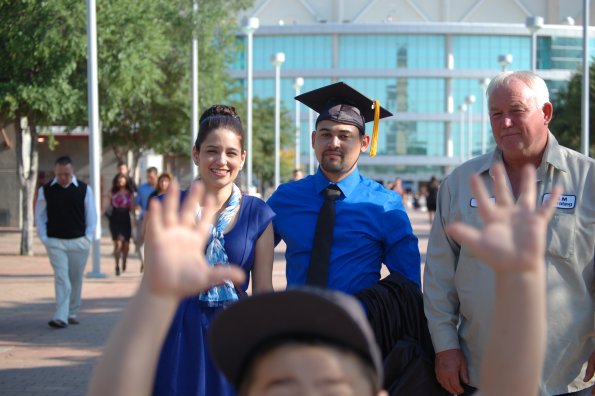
[(341, 103)]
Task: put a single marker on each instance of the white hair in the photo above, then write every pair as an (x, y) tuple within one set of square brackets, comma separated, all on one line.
[(532, 80)]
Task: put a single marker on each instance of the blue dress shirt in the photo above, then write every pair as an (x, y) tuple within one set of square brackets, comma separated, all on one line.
[(142, 197), (371, 228)]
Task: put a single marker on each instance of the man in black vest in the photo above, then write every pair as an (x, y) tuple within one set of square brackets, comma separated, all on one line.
[(66, 219)]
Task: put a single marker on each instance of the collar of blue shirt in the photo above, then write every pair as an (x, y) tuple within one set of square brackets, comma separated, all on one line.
[(346, 185)]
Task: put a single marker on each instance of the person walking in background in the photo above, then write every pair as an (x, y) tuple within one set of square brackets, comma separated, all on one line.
[(66, 220), (120, 212), (298, 174), (163, 183), (431, 197), (123, 170), (241, 234), (397, 186), (458, 285), (142, 201)]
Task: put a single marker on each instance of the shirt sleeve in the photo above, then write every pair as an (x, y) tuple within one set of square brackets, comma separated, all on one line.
[(402, 248), (441, 302), (41, 216), (90, 215)]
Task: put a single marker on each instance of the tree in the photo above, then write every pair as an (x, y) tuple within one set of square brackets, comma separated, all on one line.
[(143, 51), (42, 48), (263, 142), (566, 124), (146, 89)]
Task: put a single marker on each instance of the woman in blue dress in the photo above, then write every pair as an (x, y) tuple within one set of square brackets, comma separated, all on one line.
[(242, 234)]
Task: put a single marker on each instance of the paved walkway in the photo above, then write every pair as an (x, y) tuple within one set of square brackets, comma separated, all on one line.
[(37, 360)]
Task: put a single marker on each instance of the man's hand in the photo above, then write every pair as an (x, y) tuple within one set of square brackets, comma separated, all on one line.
[(513, 234), (175, 245), (451, 368)]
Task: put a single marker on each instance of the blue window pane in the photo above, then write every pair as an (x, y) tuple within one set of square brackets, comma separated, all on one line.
[(304, 52), (391, 51), (481, 52)]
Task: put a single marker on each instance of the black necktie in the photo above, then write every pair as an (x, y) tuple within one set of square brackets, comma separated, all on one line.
[(323, 239)]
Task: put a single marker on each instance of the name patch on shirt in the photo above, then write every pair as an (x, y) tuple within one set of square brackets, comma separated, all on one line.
[(565, 201), (474, 202)]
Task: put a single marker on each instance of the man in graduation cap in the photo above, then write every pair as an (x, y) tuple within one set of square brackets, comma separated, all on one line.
[(340, 227), (371, 226)]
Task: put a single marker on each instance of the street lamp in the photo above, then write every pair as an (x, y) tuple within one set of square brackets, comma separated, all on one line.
[(462, 110), (585, 82), (534, 23), (249, 28), (277, 60), (504, 61), (194, 110), (470, 99), (483, 83), (297, 85)]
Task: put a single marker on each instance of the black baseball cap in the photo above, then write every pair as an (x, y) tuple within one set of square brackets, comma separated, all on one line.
[(238, 332)]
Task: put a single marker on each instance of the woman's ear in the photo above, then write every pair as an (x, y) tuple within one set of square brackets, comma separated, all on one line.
[(195, 155)]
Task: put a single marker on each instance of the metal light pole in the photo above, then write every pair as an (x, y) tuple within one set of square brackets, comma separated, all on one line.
[(505, 61), (277, 60), (194, 83), (585, 93), (249, 28), (470, 99), (297, 85), (534, 23), (462, 110), (94, 133), (483, 83)]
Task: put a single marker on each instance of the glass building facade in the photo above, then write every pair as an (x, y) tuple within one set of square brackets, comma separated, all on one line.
[(423, 73)]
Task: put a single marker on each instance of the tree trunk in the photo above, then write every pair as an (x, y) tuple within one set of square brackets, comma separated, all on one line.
[(136, 153), (27, 180)]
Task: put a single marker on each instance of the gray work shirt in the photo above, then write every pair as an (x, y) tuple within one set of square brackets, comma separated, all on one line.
[(459, 288)]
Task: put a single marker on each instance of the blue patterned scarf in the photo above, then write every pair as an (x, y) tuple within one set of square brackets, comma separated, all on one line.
[(224, 294)]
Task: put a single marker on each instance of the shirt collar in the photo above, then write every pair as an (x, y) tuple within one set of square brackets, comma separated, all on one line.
[(346, 185), (74, 181), (553, 155)]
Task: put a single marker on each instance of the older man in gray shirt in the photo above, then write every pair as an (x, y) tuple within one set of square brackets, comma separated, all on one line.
[(458, 286)]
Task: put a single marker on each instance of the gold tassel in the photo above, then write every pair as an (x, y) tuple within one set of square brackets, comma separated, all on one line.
[(375, 129)]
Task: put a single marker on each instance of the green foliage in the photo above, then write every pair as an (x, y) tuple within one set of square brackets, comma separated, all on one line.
[(145, 58), (566, 123), (42, 47), (263, 140)]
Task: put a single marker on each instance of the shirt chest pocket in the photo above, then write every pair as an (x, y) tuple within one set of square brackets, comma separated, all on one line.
[(560, 235), (471, 218)]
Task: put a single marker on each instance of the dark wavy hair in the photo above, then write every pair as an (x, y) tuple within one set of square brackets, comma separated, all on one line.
[(116, 188), (219, 116)]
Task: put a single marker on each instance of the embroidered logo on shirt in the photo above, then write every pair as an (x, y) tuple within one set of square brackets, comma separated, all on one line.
[(565, 201), (474, 202)]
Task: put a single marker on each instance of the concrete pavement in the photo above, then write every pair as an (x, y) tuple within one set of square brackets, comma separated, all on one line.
[(37, 360)]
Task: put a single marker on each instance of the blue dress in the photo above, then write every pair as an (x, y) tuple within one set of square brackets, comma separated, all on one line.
[(185, 366)]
